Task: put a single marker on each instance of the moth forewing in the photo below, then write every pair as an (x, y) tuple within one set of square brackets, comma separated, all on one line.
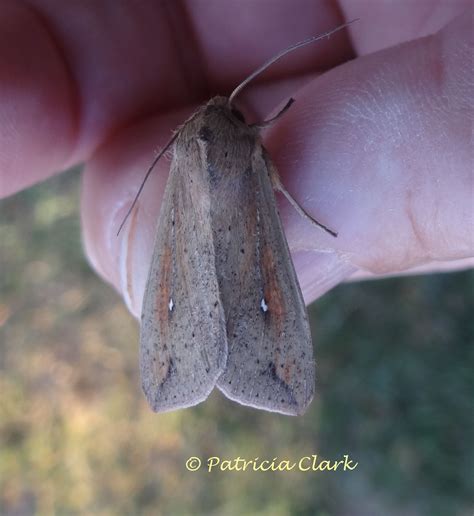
[(183, 344), (270, 355)]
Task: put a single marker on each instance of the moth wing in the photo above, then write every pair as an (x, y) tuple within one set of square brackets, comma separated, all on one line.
[(270, 361), (182, 336)]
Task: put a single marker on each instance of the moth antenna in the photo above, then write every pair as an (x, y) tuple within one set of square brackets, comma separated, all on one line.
[(152, 166), (272, 60)]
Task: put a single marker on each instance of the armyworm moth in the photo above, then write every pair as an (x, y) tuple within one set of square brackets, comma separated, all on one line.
[(222, 303)]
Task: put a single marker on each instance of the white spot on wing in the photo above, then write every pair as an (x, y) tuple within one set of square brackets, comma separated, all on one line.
[(263, 305), (171, 305)]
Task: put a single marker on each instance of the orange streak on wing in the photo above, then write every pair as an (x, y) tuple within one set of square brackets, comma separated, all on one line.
[(285, 368), (162, 361), (288, 372), (164, 287), (273, 295)]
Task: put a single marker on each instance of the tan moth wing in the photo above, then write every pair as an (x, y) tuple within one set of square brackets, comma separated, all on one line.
[(270, 356), (182, 336)]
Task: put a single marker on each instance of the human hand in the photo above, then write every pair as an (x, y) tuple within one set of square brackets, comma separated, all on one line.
[(378, 148)]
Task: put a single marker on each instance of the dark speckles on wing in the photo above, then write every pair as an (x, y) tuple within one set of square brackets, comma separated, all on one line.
[(206, 134), (213, 174), (288, 393), (171, 370)]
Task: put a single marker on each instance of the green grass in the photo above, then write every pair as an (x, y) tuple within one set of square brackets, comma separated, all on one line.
[(395, 391)]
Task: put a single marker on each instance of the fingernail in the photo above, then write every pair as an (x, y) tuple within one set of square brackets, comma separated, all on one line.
[(135, 247)]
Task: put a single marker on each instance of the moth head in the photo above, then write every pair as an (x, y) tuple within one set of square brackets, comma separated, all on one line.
[(238, 114), (221, 107)]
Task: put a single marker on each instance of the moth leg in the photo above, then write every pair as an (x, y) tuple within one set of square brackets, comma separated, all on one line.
[(266, 123), (278, 185)]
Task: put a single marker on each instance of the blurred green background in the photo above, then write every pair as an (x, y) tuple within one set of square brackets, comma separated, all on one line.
[(394, 391)]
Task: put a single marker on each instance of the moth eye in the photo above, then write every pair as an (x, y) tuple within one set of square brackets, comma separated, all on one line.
[(238, 115)]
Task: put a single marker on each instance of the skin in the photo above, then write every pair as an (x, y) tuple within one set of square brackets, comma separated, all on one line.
[(378, 148)]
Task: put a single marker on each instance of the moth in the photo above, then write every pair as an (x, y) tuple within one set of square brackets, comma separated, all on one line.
[(222, 304)]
